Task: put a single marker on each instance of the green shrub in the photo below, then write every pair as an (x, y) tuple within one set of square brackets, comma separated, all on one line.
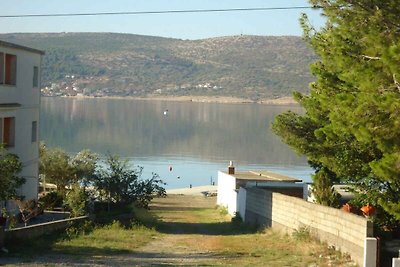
[(76, 200), (51, 200), (223, 210), (81, 228), (302, 234)]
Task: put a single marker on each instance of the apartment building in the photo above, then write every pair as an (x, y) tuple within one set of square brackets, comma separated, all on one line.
[(19, 109)]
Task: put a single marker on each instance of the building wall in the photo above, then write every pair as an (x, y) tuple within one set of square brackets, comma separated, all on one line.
[(343, 230), (227, 194), (241, 203), (28, 99)]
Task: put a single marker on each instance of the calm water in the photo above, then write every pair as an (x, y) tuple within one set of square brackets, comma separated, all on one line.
[(195, 139)]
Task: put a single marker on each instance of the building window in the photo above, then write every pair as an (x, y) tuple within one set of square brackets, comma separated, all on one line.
[(35, 76), (8, 69), (34, 131), (7, 131)]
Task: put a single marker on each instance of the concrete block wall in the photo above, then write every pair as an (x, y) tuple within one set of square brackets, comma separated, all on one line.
[(40, 229), (259, 207), (343, 230), (241, 202)]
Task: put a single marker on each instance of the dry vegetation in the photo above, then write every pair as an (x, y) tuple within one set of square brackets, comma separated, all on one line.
[(249, 67), (185, 231)]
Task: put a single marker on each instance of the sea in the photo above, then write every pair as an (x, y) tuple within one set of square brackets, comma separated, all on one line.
[(185, 143)]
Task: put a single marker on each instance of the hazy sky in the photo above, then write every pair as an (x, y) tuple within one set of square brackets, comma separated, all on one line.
[(184, 26)]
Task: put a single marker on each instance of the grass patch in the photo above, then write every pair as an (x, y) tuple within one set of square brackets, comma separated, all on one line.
[(107, 240), (182, 225), (205, 228), (89, 238), (302, 234)]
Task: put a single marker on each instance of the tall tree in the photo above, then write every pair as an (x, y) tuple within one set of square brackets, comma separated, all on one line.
[(84, 164), (55, 165), (351, 123)]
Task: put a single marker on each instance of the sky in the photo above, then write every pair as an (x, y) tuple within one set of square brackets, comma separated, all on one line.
[(182, 25)]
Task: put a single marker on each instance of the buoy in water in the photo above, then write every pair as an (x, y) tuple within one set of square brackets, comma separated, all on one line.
[(170, 168)]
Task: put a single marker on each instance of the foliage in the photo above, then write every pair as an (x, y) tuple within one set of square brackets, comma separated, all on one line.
[(303, 233), (59, 61), (51, 200), (251, 67), (147, 189), (111, 239), (120, 184), (55, 164), (28, 209), (223, 210), (74, 230), (58, 167), (12, 221), (84, 164), (323, 189), (116, 182), (76, 200), (4, 213), (351, 123), (80, 242), (10, 166)]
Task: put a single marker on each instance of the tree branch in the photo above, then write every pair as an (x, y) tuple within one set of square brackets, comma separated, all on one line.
[(370, 58), (396, 82)]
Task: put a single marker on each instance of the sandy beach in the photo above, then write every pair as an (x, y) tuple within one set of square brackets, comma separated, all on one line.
[(196, 190)]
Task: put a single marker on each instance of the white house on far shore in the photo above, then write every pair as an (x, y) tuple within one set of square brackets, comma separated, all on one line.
[(19, 109)]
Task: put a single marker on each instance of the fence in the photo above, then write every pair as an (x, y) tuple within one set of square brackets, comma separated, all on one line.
[(343, 230)]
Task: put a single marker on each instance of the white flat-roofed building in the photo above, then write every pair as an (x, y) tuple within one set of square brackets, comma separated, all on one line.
[(20, 69), (232, 185)]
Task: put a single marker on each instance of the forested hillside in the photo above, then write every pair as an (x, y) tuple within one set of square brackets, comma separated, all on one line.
[(253, 67)]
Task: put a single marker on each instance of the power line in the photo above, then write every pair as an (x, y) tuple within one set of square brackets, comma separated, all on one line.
[(158, 12)]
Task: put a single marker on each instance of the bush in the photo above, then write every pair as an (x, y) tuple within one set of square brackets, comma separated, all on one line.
[(76, 200), (81, 228), (119, 183), (302, 234), (10, 166), (223, 210), (51, 200)]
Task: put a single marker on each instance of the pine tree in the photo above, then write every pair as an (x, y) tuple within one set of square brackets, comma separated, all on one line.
[(351, 126)]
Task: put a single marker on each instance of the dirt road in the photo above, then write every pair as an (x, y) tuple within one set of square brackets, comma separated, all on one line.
[(192, 232)]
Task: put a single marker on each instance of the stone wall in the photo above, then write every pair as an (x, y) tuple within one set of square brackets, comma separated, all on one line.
[(343, 230), (37, 230)]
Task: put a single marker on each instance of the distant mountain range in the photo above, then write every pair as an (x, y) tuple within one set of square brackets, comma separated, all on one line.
[(251, 67)]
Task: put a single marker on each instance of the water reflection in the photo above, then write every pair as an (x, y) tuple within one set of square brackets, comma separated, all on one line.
[(135, 128), (197, 138)]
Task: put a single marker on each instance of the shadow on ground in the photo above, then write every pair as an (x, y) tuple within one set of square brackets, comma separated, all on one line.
[(177, 218), (219, 228), (132, 259), (58, 256)]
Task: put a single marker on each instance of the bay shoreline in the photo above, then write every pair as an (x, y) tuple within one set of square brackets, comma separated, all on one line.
[(196, 99)]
